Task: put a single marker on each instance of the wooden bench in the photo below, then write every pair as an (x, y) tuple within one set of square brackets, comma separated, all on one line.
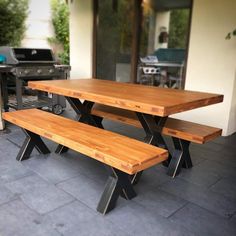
[(124, 156), (182, 133)]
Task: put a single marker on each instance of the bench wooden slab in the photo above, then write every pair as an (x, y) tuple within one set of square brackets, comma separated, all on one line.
[(186, 130), (124, 155)]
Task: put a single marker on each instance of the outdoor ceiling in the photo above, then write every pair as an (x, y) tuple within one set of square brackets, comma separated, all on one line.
[(170, 4)]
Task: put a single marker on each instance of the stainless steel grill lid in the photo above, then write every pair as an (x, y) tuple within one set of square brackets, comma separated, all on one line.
[(18, 56)]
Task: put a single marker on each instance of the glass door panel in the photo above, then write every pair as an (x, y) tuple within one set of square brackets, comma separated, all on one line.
[(114, 39), (165, 33)]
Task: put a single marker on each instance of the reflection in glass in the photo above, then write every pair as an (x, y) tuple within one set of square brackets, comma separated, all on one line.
[(165, 27)]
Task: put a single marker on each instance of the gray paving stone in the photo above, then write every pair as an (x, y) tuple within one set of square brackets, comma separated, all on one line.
[(225, 156), (7, 150), (215, 147), (76, 219), (155, 199), (27, 184), (130, 131), (17, 137), (226, 187), (138, 220), (233, 220), (86, 165), (203, 222), (6, 195), (108, 124), (223, 170), (154, 176), (198, 151), (199, 176), (51, 167), (13, 170), (84, 189), (45, 199), (16, 219), (203, 197)]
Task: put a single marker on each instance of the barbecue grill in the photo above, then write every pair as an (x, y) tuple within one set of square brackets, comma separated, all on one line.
[(31, 64)]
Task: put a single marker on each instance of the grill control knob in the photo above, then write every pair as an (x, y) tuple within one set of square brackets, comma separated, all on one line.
[(39, 71), (26, 72), (51, 71)]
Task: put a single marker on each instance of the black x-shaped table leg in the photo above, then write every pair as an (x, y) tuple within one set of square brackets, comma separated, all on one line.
[(32, 141), (83, 112), (152, 126)]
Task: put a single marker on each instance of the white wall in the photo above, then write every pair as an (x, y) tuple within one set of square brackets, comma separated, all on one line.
[(38, 23), (81, 30), (211, 63)]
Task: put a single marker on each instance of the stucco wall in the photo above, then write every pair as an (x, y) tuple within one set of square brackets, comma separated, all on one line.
[(38, 23), (212, 62), (81, 29)]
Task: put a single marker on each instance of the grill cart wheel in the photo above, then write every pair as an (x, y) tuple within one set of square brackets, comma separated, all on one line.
[(57, 109)]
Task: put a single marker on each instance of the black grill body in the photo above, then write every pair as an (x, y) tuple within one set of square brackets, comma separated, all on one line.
[(31, 64)]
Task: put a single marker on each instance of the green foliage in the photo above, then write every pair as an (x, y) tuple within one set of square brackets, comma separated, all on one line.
[(178, 30), (230, 34), (60, 21), (12, 21)]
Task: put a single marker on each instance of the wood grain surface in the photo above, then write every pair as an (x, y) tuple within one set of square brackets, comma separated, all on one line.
[(123, 153), (135, 97), (186, 130)]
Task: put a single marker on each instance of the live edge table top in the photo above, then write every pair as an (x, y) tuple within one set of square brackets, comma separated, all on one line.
[(141, 98)]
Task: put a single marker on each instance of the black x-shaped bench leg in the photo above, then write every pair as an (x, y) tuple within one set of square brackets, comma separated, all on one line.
[(117, 184), (180, 158), (32, 141)]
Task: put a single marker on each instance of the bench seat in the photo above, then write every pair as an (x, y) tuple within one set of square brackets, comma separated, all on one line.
[(125, 156), (124, 153), (185, 130)]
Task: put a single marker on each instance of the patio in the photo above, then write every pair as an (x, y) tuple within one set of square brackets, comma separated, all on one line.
[(57, 195)]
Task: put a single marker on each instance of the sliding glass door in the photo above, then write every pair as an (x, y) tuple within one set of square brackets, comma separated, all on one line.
[(127, 30), (114, 40)]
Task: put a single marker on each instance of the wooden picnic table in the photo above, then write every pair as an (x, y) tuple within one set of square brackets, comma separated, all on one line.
[(152, 105)]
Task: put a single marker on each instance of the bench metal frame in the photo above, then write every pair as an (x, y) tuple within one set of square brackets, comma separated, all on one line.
[(117, 184), (180, 158), (32, 141)]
